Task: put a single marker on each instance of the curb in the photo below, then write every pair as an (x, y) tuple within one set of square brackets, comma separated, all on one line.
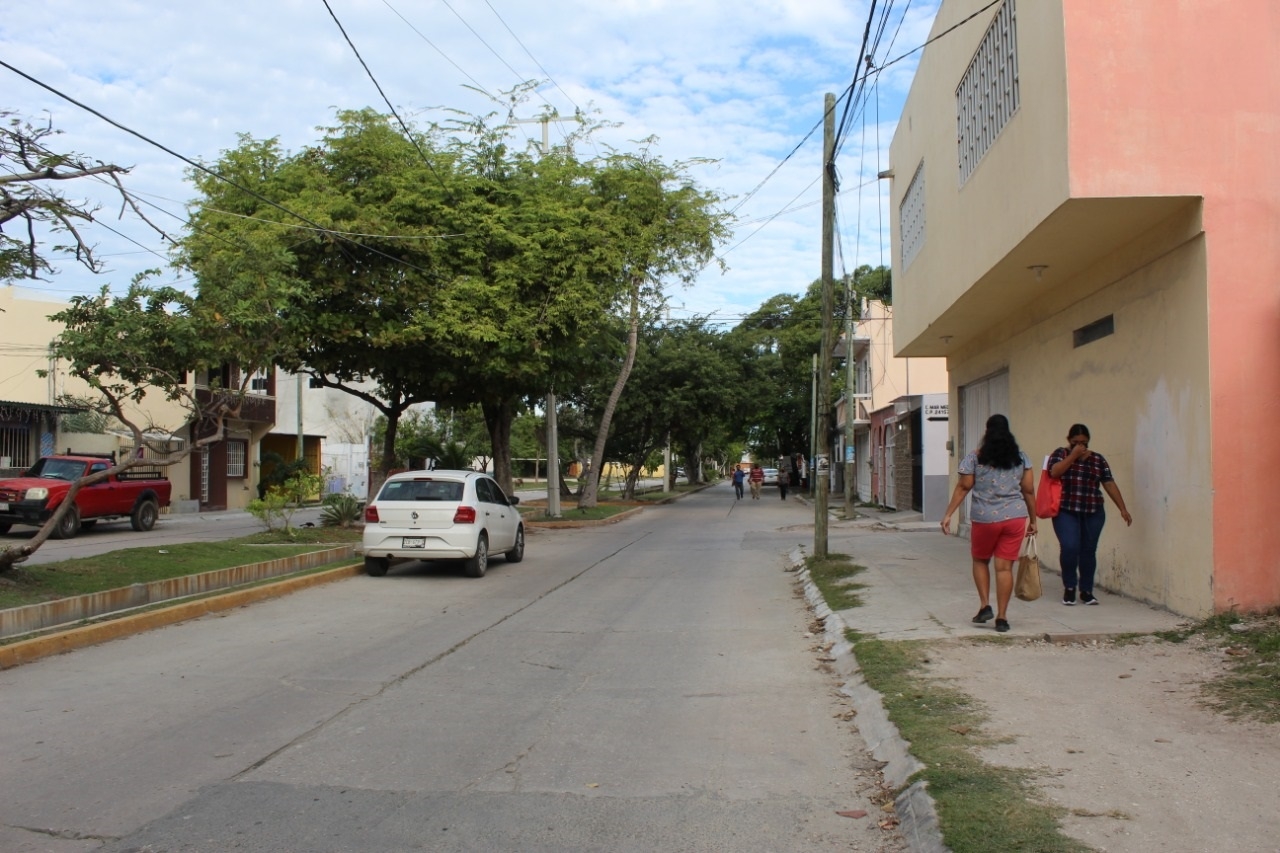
[(914, 807), (26, 651)]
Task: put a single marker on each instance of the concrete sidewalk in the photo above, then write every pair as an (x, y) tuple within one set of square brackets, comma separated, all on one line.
[(920, 587)]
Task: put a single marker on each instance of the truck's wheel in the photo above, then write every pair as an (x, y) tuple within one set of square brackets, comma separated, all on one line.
[(69, 526), (375, 567), (144, 515)]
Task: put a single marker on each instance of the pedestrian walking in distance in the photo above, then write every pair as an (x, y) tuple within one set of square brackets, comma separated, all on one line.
[(784, 475), (738, 476), (1002, 512), (756, 478)]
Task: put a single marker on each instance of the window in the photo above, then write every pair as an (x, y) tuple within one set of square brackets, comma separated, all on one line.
[(237, 451), (15, 446), (988, 93), (258, 383), (911, 217), (1095, 330)]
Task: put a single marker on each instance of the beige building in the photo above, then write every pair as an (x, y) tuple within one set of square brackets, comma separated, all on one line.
[(1085, 228), (896, 459), (221, 476)]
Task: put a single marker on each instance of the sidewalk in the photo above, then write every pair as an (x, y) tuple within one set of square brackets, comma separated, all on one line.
[(920, 587), (1114, 735)]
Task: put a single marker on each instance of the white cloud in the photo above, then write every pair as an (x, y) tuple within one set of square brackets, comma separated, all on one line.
[(737, 82)]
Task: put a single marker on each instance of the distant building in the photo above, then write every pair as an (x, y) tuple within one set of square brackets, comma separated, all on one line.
[(898, 454)]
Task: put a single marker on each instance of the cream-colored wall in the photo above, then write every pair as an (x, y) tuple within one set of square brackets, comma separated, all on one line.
[(1144, 394), (24, 346), (969, 228), (24, 349), (893, 377)]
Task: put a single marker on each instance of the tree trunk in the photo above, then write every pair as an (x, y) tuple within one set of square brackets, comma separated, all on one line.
[(592, 486), (498, 417)]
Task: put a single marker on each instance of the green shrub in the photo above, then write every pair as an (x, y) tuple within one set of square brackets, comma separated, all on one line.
[(341, 510)]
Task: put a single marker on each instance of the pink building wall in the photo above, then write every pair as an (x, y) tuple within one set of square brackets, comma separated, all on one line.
[(1199, 126)]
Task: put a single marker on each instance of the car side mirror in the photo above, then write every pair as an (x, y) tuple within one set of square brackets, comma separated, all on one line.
[(513, 500)]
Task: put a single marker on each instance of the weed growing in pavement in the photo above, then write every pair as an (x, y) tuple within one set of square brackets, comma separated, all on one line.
[(980, 808), (1251, 690), (831, 574)]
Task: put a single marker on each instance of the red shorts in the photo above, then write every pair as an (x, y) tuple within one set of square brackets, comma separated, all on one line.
[(1001, 538)]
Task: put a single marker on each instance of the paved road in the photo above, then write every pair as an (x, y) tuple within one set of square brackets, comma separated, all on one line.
[(641, 686)]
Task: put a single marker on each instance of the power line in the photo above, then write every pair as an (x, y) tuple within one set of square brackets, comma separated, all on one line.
[(201, 167), (408, 133)]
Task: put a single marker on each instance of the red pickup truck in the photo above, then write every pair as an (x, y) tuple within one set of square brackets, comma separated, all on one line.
[(30, 499)]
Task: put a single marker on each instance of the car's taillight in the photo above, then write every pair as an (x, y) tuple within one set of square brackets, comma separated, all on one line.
[(371, 514), (465, 515)]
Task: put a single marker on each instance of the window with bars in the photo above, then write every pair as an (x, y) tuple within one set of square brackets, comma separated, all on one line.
[(15, 445), (988, 93), (911, 217), (237, 452)]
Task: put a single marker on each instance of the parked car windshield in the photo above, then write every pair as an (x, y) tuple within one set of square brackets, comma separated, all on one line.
[(58, 469), (421, 490)]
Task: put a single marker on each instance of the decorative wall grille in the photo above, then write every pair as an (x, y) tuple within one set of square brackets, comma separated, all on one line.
[(911, 217), (988, 94)]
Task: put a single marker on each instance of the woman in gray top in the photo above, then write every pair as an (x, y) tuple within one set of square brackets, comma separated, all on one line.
[(1002, 512)]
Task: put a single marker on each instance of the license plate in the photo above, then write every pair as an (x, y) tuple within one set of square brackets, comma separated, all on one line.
[(4, 507), (414, 542)]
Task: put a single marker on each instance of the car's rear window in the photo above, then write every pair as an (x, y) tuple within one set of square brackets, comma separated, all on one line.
[(421, 490)]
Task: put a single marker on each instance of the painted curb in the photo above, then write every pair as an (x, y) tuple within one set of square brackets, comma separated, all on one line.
[(917, 814), (26, 651)]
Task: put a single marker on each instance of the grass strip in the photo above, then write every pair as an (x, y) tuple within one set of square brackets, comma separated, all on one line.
[(981, 808), (568, 514), (1251, 689), (49, 581), (832, 575)]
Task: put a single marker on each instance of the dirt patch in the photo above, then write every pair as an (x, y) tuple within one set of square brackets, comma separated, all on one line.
[(1123, 743)]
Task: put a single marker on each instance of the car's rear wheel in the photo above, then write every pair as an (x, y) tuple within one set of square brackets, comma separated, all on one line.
[(144, 515), (516, 554), (376, 567), (69, 526), (475, 566)]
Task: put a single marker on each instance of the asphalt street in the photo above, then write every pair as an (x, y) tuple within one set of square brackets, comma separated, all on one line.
[(645, 685)]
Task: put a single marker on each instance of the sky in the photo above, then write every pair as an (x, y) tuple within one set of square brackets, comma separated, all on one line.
[(739, 82)]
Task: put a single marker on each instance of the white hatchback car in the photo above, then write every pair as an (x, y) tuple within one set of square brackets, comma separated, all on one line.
[(441, 515)]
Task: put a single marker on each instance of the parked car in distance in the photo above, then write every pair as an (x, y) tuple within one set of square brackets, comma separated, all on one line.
[(137, 494), (441, 515), (770, 476)]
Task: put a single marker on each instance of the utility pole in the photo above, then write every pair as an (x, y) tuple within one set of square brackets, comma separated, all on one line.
[(828, 309), (850, 405), (553, 427)]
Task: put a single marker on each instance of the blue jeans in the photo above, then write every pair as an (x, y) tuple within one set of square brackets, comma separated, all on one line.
[(1078, 534)]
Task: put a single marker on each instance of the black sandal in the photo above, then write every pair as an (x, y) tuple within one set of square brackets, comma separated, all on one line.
[(984, 615), (1002, 625)]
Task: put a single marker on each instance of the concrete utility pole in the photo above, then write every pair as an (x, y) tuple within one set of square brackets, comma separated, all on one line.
[(828, 308), (553, 427)]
